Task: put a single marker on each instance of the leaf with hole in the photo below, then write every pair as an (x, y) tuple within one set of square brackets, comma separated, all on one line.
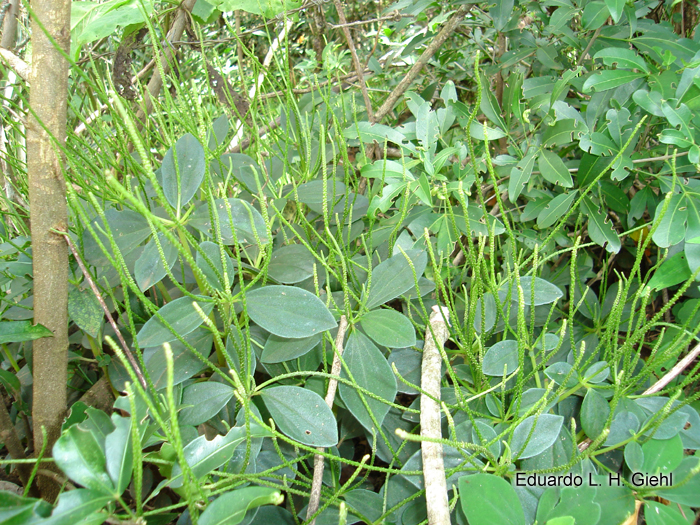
[(302, 415), (555, 209), (600, 228), (180, 315), (289, 312), (554, 170)]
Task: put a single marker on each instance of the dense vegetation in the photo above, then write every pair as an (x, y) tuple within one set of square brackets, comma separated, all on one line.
[(266, 200)]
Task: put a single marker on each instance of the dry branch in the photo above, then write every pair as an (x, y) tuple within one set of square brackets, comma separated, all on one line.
[(433, 467)]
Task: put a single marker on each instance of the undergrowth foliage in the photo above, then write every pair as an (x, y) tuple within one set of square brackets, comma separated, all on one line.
[(227, 275)]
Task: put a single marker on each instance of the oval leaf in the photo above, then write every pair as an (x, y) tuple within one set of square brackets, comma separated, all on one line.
[(594, 413), (370, 370), (230, 508), (183, 170), (394, 277), (202, 401), (487, 499), (280, 349), (289, 312), (302, 415), (149, 268), (501, 356), (528, 442), (291, 264), (389, 328), (180, 315)]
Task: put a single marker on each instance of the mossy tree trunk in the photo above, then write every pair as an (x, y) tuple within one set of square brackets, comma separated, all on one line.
[(46, 135)]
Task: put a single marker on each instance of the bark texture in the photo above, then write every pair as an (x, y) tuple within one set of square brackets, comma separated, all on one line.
[(46, 134)]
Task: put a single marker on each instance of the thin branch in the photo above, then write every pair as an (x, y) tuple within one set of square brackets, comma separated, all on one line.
[(433, 467), (355, 60), (439, 40), (588, 47), (395, 17), (18, 65), (675, 371), (93, 287), (315, 497)]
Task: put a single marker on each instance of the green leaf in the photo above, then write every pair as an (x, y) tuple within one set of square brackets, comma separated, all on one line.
[(624, 425), (129, 229), (650, 102), (659, 514), (479, 131), (230, 508), (616, 8), (528, 442), (185, 363), (597, 143), (149, 269), (621, 57), (544, 291), (671, 229), (673, 271), (202, 401), (559, 371), (389, 328), (634, 456), (368, 133), (81, 456), (554, 170), (245, 219), (556, 209), (280, 349), (578, 502), (85, 310), (302, 415), (394, 277), (595, 14), (289, 312), (18, 331), (371, 371), (600, 229), (119, 452), (502, 355), (610, 79), (213, 252), (77, 506), (501, 13), (205, 456), (183, 170), (688, 490), (520, 174), (180, 315), (594, 413), (563, 132), (487, 499), (291, 264), (662, 456)]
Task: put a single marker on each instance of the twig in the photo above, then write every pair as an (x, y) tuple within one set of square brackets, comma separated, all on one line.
[(18, 65), (8, 436), (433, 466), (94, 289), (261, 77), (315, 496), (396, 17), (588, 47), (401, 88), (355, 60), (675, 371)]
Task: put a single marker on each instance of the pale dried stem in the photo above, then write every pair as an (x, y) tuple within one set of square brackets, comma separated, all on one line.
[(436, 499), (315, 496)]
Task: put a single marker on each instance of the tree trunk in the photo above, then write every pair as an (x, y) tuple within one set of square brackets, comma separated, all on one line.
[(46, 134)]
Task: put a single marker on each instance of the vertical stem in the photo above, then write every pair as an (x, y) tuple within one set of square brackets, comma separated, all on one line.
[(46, 134), (436, 500)]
